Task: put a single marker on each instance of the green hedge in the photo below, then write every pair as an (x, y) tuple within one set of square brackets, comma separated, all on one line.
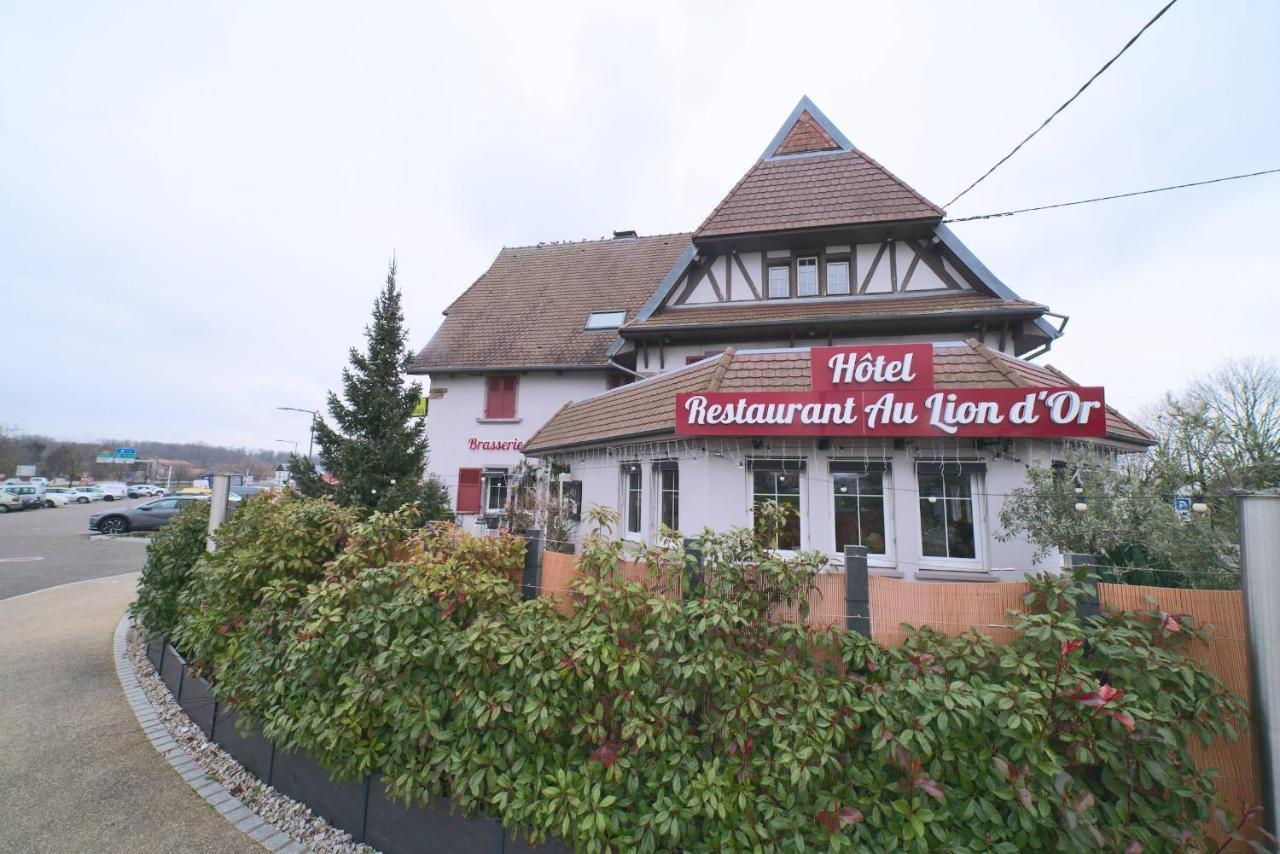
[(171, 555), (641, 723)]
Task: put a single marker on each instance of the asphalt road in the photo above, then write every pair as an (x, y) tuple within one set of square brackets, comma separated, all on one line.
[(45, 548)]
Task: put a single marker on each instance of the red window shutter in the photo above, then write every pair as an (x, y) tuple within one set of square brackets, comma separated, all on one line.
[(468, 490), (500, 396)]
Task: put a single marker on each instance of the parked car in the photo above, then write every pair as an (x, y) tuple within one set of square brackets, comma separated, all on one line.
[(69, 493), (145, 517), (90, 493), (29, 495), (113, 490), (10, 502), (144, 490), (55, 499)]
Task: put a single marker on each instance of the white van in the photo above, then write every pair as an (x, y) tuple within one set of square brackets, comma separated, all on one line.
[(113, 490)]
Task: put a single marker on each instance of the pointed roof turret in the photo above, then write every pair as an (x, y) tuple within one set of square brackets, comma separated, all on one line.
[(811, 176)]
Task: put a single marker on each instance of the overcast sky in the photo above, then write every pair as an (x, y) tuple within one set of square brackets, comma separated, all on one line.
[(198, 201)]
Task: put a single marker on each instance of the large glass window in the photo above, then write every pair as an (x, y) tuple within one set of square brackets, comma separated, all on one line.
[(632, 497), (807, 277), (669, 497), (859, 511), (947, 527), (837, 277), (784, 488), (779, 282)]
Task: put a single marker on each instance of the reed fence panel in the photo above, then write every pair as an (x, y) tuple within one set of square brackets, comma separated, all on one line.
[(1226, 655)]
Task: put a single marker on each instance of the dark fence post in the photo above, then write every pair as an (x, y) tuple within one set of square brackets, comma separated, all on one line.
[(1087, 605), (531, 584), (694, 570), (857, 592)]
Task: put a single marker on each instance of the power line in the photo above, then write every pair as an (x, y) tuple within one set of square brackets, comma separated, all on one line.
[(1116, 196), (1065, 104)]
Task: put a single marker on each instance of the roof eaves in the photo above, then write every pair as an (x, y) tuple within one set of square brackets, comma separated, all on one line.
[(984, 275), (1028, 309)]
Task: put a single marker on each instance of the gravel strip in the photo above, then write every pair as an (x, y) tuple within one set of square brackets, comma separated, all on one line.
[(282, 814)]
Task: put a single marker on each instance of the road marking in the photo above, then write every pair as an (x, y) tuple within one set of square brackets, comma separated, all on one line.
[(19, 559)]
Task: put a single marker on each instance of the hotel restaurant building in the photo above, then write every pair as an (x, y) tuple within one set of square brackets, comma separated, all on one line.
[(821, 339)]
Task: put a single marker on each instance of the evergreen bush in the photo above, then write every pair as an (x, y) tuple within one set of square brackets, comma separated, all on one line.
[(644, 722), (173, 551)]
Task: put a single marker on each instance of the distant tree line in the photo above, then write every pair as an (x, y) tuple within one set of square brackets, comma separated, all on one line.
[(72, 460)]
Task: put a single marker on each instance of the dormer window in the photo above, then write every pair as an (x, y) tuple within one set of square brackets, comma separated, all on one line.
[(605, 319), (779, 281), (807, 277)]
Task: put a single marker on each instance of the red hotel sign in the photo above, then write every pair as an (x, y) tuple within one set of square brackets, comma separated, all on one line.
[(887, 390)]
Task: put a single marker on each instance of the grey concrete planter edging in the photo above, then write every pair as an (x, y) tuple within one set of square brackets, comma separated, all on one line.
[(359, 807), (232, 808)]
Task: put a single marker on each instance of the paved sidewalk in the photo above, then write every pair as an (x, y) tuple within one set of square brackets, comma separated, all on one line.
[(78, 774)]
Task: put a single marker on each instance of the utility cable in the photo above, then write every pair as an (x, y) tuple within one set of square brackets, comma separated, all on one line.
[(1065, 104), (1116, 196)]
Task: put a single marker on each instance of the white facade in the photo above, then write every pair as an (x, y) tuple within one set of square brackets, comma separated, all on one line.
[(459, 435), (716, 492)]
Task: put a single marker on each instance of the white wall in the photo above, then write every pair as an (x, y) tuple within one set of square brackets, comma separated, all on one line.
[(458, 416), (673, 355), (715, 492)]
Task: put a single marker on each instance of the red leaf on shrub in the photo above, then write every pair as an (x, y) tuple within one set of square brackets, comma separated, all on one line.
[(1105, 694), (224, 628), (849, 815), (568, 662), (1025, 796), (1085, 801), (1134, 847), (1121, 717), (928, 786), (1002, 766), (606, 754), (1249, 812), (828, 820), (921, 660), (1170, 623), (1071, 646)]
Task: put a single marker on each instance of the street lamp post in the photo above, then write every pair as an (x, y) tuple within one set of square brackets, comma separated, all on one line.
[(311, 437), (293, 442)]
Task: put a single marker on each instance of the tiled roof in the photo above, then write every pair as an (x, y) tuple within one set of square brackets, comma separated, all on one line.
[(813, 191), (648, 407), (806, 135), (851, 308), (529, 308)]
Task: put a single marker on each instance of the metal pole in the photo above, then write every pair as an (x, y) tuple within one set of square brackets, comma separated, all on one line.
[(311, 437), (218, 505), (1260, 581), (1087, 605), (531, 580), (857, 591)]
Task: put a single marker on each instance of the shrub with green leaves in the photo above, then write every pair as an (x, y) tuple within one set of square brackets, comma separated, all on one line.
[(646, 722), (173, 551)]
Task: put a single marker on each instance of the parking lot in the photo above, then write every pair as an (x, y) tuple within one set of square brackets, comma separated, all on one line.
[(48, 547)]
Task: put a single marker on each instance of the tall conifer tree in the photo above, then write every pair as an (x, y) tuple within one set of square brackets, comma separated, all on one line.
[(377, 449)]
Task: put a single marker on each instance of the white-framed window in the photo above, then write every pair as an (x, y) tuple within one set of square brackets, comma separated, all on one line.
[(606, 319), (862, 513), (837, 277), (494, 492), (632, 499), (779, 281), (807, 277), (950, 525), (667, 483), (780, 481)]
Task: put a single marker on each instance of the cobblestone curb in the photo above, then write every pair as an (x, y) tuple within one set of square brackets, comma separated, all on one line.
[(230, 807)]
